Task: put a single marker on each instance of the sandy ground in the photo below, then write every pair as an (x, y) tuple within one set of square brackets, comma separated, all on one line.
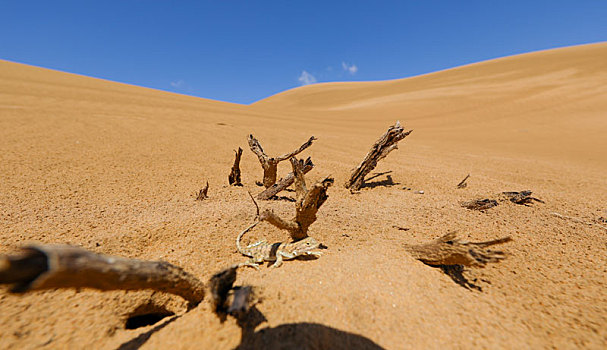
[(113, 168)]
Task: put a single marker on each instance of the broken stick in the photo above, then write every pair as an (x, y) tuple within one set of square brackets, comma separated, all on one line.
[(463, 184), (307, 203), (270, 165), (450, 250), (284, 183), (63, 266), (202, 194), (380, 149), (234, 177)]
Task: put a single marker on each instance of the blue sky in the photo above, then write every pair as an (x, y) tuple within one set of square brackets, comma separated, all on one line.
[(243, 51)]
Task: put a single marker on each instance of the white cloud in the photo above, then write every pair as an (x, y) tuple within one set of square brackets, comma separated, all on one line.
[(179, 84), (306, 78), (352, 68)]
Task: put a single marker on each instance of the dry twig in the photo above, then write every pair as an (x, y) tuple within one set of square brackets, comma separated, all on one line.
[(306, 205), (234, 177), (284, 183), (270, 165), (450, 250), (380, 149), (202, 194), (463, 184), (63, 266)]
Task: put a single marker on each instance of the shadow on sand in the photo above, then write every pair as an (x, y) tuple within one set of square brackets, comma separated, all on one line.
[(297, 336)]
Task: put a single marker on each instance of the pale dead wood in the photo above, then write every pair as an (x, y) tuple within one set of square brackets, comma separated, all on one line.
[(450, 250), (463, 184), (269, 164), (380, 149), (63, 266), (202, 194), (307, 203), (234, 177), (284, 183)]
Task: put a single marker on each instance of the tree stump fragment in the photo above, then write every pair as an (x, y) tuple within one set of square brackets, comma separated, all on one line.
[(202, 194), (284, 183), (450, 250), (234, 177), (380, 149), (227, 298), (270, 165), (307, 203), (63, 266)]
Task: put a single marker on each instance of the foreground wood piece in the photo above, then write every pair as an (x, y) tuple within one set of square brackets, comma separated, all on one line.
[(450, 250), (270, 165), (307, 203), (202, 194), (234, 177), (64, 266), (227, 299), (386, 144), (284, 183)]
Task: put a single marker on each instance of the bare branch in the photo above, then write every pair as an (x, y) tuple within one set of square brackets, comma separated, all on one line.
[(463, 184), (234, 177), (202, 194), (380, 149), (297, 151), (306, 206), (449, 250), (284, 183), (270, 165), (62, 266)]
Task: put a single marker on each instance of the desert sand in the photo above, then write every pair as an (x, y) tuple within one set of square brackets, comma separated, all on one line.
[(114, 169)]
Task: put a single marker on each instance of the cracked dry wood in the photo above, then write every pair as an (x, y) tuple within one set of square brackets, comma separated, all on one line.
[(234, 177), (270, 165), (450, 250), (380, 149), (284, 183), (307, 203), (62, 266)]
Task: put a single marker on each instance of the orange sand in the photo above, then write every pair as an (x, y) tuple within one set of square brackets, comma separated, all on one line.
[(113, 168)]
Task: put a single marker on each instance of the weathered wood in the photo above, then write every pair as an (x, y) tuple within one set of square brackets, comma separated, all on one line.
[(386, 144), (234, 177), (306, 205), (284, 183), (450, 250), (269, 164), (227, 298), (202, 194), (479, 204), (63, 266)]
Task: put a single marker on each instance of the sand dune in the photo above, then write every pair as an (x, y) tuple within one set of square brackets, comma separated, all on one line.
[(113, 168)]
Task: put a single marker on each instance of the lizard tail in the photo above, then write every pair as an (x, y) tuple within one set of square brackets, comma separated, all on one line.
[(240, 250)]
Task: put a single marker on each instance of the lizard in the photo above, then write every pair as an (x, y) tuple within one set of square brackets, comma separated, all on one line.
[(263, 251)]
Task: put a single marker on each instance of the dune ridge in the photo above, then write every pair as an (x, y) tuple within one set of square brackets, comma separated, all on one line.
[(114, 168)]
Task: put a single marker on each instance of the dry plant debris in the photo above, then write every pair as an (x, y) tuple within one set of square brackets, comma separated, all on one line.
[(522, 198), (450, 250), (202, 194), (63, 266), (284, 183), (463, 184), (269, 164), (234, 177), (307, 203), (380, 149)]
